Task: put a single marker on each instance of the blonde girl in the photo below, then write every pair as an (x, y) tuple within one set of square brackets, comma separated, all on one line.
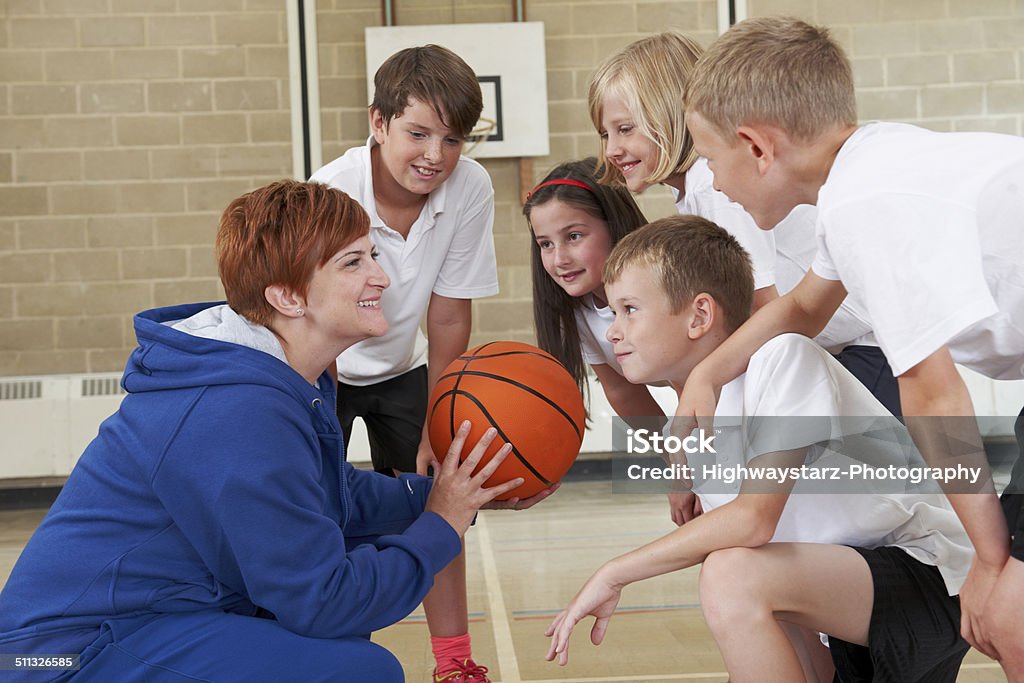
[(636, 105)]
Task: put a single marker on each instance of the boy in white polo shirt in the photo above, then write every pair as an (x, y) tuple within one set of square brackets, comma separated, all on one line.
[(922, 228), (431, 214)]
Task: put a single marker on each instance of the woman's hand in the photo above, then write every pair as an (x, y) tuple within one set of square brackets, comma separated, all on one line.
[(598, 597), (457, 493)]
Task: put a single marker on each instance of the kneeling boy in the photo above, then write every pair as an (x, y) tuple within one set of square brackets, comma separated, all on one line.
[(879, 571)]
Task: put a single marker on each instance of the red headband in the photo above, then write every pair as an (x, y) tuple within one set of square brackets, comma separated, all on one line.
[(559, 181)]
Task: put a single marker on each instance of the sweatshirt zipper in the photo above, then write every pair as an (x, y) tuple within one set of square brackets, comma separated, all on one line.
[(346, 502)]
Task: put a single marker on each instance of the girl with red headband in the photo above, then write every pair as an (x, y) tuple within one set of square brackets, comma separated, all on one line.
[(575, 222)]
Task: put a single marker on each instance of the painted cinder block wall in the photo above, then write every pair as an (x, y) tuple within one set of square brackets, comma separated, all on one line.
[(127, 125)]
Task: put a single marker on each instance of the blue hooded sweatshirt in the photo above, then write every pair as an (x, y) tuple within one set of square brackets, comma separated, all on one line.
[(221, 484)]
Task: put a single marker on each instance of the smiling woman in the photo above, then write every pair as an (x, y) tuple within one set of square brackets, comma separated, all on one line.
[(217, 501), (313, 281)]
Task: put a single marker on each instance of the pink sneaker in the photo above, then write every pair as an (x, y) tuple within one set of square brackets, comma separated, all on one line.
[(466, 671)]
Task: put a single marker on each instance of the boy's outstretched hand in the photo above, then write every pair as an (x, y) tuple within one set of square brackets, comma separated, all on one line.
[(991, 619), (597, 598), (424, 457), (1003, 621), (974, 598)]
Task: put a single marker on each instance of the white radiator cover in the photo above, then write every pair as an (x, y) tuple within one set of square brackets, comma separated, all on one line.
[(47, 421)]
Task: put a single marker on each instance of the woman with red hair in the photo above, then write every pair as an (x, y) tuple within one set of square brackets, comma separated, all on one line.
[(213, 530)]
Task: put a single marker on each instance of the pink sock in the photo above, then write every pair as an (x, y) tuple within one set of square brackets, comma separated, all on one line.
[(447, 649)]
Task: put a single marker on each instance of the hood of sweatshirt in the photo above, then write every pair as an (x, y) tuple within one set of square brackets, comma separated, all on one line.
[(208, 344)]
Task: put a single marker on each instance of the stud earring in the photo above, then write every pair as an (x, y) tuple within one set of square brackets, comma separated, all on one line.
[(299, 312)]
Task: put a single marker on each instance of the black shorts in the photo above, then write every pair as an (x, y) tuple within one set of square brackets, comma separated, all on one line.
[(1013, 498), (870, 366), (393, 411), (914, 634)]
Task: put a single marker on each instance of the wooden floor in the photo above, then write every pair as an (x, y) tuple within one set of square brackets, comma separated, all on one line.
[(525, 566)]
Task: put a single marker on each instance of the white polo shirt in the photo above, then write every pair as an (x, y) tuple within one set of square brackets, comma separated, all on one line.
[(449, 251), (795, 247), (925, 229)]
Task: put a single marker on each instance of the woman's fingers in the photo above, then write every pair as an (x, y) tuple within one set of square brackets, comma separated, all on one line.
[(491, 467), (451, 460), (493, 492), (479, 449)]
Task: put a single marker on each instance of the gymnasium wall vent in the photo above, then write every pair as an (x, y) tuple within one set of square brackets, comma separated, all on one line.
[(17, 390)]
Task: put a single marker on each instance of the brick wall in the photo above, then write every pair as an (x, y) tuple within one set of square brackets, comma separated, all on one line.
[(125, 128), (127, 125), (943, 64)]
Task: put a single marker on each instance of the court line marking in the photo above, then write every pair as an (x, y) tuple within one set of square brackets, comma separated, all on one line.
[(716, 675), (624, 609), (496, 607)]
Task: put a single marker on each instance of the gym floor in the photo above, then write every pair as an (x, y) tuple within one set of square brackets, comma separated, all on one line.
[(525, 566)]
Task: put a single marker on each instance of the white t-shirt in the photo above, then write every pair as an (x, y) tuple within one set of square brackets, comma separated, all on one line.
[(449, 250), (926, 229), (780, 257), (592, 322), (795, 247), (792, 376), (702, 199)]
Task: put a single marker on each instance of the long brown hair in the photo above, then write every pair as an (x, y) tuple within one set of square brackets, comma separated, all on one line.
[(554, 311)]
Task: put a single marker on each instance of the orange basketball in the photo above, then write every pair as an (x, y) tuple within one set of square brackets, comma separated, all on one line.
[(524, 393)]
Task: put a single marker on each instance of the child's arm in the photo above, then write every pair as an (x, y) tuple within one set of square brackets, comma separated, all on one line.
[(748, 521), (806, 309), (449, 323), (930, 390), (764, 296), (635, 400)]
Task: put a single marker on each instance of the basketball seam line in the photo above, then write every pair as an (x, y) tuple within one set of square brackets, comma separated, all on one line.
[(490, 419), (534, 392), (513, 353)]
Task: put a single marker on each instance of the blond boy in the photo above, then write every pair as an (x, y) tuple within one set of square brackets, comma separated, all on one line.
[(921, 228)]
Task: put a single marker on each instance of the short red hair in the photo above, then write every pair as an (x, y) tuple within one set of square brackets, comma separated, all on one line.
[(279, 235)]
